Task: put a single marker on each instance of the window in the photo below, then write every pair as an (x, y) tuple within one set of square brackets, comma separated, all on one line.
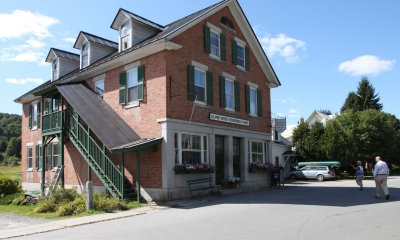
[(125, 36), (229, 94), (200, 85), (256, 152), (29, 157), (85, 55), (240, 61), (276, 161), (55, 160), (253, 101), (214, 43), (34, 115), (131, 86), (38, 157), (227, 22), (191, 148), (54, 70), (99, 87)]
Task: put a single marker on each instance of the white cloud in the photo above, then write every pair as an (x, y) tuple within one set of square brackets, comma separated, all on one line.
[(69, 40), (21, 23), (34, 43), (23, 81), (289, 48), (366, 65), (293, 113), (21, 56), (287, 100)]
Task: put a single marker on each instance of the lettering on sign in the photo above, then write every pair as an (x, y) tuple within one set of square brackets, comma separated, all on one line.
[(221, 118)]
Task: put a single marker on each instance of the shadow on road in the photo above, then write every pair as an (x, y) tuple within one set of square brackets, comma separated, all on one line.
[(301, 195)]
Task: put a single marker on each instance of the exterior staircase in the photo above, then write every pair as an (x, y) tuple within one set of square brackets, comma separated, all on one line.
[(109, 174)]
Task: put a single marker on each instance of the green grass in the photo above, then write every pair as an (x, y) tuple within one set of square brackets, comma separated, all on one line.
[(11, 172)]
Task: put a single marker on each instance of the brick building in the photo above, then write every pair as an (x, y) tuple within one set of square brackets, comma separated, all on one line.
[(163, 105)]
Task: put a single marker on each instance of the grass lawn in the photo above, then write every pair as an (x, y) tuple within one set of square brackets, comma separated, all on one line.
[(11, 172)]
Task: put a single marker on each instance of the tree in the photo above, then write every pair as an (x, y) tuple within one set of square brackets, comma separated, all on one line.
[(300, 140), (14, 147), (366, 95), (365, 98)]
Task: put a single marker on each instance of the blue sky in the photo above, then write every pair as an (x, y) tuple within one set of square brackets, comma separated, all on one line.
[(319, 49)]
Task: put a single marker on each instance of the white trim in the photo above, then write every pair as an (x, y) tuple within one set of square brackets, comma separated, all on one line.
[(233, 94), (240, 41), (132, 104), (205, 85), (199, 65), (29, 144), (132, 65), (227, 75), (238, 44), (253, 85), (39, 142), (213, 27), (211, 55)]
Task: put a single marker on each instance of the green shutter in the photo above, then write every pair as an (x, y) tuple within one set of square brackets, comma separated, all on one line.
[(38, 115), (210, 88), (247, 58), (37, 157), (222, 40), (122, 88), (234, 52), (207, 42), (191, 95), (237, 96), (259, 103), (222, 91), (140, 82), (30, 116), (247, 99)]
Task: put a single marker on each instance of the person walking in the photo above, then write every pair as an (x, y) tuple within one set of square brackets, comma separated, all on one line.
[(359, 174), (381, 172)]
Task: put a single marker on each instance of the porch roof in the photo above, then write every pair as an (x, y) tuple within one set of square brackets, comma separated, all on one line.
[(108, 126)]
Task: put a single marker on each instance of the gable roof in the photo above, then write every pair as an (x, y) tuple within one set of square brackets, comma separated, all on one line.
[(93, 38), (322, 117), (63, 54), (172, 30), (122, 12)]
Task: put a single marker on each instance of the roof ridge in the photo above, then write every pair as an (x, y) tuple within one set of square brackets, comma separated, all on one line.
[(57, 49), (143, 18), (93, 35)]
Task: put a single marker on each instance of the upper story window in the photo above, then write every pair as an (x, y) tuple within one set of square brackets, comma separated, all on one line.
[(200, 85), (253, 101), (132, 84), (227, 22), (131, 89), (240, 54), (99, 87), (29, 160), (34, 115), (229, 94), (214, 42), (54, 73), (125, 36), (85, 55)]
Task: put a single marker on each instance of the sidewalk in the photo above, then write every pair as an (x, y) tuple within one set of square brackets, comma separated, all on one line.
[(60, 224)]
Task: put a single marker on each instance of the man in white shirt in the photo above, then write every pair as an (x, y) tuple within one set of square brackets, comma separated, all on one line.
[(381, 172)]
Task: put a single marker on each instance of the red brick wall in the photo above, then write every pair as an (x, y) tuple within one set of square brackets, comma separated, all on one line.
[(192, 42)]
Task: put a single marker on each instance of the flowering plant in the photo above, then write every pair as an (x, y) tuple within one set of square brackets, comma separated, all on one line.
[(233, 179), (260, 166), (193, 168)]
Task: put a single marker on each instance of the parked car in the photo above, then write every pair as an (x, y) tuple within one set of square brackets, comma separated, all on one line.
[(314, 172)]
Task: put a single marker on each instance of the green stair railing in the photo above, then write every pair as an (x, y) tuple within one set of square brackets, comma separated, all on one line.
[(52, 122), (101, 164)]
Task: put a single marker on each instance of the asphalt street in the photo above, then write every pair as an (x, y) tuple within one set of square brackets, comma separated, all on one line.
[(302, 210)]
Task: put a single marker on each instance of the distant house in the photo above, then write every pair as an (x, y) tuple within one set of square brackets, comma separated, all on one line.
[(143, 112), (319, 117), (282, 147)]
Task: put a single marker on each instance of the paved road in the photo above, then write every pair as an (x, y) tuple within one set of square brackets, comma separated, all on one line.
[(304, 210)]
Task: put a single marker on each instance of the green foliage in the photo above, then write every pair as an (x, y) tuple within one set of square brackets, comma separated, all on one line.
[(75, 207), (8, 186), (11, 161), (364, 99), (8, 199), (19, 200), (307, 141), (14, 147), (107, 204), (10, 127), (325, 111), (45, 206)]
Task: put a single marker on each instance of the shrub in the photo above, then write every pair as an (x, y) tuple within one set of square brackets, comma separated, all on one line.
[(8, 186), (106, 204), (61, 195), (8, 199), (19, 200), (44, 206), (72, 208)]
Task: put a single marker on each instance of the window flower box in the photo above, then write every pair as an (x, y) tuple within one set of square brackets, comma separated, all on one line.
[(189, 168), (261, 167), (233, 182)]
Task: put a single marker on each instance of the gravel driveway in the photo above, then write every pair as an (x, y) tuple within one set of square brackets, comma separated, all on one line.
[(8, 221)]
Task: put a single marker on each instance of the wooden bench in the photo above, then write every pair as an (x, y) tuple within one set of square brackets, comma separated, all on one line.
[(201, 185)]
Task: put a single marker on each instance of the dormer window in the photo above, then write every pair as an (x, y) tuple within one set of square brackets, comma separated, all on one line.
[(85, 55), (125, 35), (54, 70)]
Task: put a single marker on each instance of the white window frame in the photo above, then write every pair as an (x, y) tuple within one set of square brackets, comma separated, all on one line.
[(262, 153), (101, 94), (39, 169), (240, 45), (232, 94), (35, 116), (29, 167), (127, 35), (198, 86), (254, 112), (85, 53), (54, 69), (204, 146), (55, 155), (129, 72)]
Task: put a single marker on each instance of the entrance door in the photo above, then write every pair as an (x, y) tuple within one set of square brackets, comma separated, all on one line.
[(219, 159), (236, 157)]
